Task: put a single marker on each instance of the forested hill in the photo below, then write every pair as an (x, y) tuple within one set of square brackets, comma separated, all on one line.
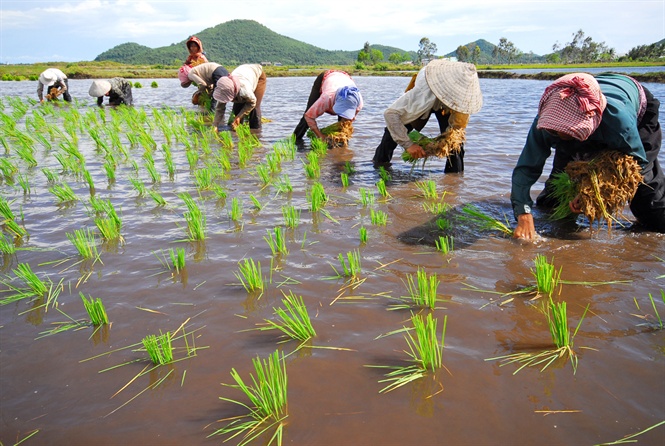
[(236, 42)]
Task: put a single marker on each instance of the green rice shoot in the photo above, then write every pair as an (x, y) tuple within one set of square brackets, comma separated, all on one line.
[(95, 309), (292, 319)]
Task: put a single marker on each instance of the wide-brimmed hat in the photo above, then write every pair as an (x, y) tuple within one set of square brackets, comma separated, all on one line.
[(573, 105), (346, 103), (183, 74), (48, 78), (99, 88), (226, 89), (455, 84)]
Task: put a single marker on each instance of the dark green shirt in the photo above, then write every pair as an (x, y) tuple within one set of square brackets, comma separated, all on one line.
[(617, 131)]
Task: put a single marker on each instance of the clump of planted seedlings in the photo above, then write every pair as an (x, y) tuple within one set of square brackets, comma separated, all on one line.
[(291, 216), (557, 321), (292, 319), (428, 189), (424, 348), (85, 243), (277, 241), (195, 218), (344, 178), (250, 276), (547, 277), (177, 257), (235, 214), (423, 290), (312, 167), (255, 201), (444, 244), (350, 265), (159, 348), (384, 174), (317, 197), (378, 217), (95, 309), (381, 187), (9, 220), (268, 406), (366, 196), (362, 232)]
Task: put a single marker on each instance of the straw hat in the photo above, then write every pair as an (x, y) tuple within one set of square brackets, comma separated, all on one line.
[(48, 78), (99, 88), (455, 84)]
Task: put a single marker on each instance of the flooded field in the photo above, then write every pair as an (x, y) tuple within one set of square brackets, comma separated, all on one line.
[(174, 187)]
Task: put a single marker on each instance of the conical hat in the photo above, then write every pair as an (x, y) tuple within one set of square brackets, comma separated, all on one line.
[(455, 84)]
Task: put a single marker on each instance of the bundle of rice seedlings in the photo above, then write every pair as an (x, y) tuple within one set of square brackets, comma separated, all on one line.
[(447, 143), (338, 134), (605, 184)]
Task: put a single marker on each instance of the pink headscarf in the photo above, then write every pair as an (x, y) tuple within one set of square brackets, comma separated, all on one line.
[(226, 89), (573, 105), (183, 73)]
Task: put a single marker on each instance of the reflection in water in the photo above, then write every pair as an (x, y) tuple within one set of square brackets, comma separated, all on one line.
[(142, 296)]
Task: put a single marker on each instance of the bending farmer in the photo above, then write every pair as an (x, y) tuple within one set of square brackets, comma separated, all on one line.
[(117, 89), (56, 84), (245, 87)]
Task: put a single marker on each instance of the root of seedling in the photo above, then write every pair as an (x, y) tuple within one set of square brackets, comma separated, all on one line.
[(338, 134), (605, 184), (448, 143)]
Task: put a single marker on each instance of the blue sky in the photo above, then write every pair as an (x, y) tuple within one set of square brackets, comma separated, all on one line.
[(47, 31)]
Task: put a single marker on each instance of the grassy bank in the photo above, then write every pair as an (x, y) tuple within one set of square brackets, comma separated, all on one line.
[(106, 70)]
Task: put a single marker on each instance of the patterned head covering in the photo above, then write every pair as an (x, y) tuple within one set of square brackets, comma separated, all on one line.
[(573, 105), (347, 99), (183, 74), (226, 89)]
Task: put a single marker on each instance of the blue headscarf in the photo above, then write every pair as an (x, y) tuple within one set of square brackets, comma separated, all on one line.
[(346, 102)]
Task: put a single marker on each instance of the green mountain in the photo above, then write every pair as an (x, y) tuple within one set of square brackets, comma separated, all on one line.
[(236, 42), (487, 50)]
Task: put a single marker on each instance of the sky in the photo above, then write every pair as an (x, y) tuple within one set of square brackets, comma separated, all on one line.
[(69, 31)]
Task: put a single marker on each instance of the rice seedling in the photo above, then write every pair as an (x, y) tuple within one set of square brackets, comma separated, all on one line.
[(8, 170), (192, 158), (312, 168), (108, 228), (168, 160), (425, 351), (159, 348), (286, 148), (564, 191), (384, 174), (264, 174), (204, 178), (317, 197), (557, 321), (293, 319), (291, 216), (51, 176), (219, 191), (249, 274), (157, 197), (378, 217), (351, 264), (444, 244), (95, 309), (381, 187), (422, 289), (428, 189), (485, 222), (268, 399), (109, 168), (36, 285), (87, 176), (283, 185), (7, 246), (177, 258), (255, 201), (362, 232), (26, 153), (547, 277), (318, 146), (138, 185), (84, 242), (154, 174), (154, 84), (235, 214), (276, 241), (225, 139), (436, 208), (366, 196), (195, 218), (274, 162), (64, 193), (344, 177), (9, 221), (444, 224)]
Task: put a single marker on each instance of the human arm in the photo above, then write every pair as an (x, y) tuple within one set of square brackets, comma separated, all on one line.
[(319, 107), (40, 91), (220, 110), (527, 171), (399, 133), (248, 99)]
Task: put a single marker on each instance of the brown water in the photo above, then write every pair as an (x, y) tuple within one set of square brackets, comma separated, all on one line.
[(52, 385)]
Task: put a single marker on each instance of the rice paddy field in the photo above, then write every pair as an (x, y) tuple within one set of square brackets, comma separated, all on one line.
[(162, 285)]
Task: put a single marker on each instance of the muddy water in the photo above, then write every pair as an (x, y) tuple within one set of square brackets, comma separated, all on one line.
[(61, 384)]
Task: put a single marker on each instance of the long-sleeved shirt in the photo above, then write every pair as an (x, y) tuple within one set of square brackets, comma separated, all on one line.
[(617, 131), (416, 103), (201, 75), (248, 77), (59, 83), (120, 93), (324, 104)]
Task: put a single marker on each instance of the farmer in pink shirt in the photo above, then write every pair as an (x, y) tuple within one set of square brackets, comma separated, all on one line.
[(335, 93)]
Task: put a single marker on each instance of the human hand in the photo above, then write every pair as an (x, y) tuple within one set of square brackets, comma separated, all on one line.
[(416, 151), (575, 205), (525, 228), (235, 123)]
